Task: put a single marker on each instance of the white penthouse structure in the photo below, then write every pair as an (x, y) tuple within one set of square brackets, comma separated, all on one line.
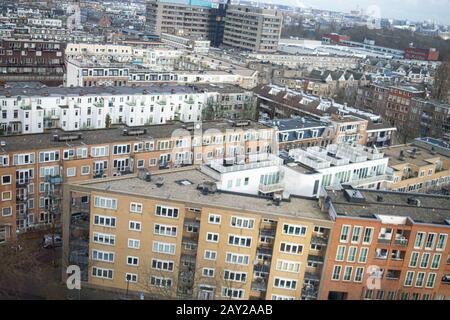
[(311, 170)]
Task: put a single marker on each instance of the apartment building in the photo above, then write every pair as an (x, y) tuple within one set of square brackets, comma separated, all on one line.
[(32, 60), (86, 73), (305, 61), (33, 167), (386, 246), (252, 29), (349, 128), (27, 111), (417, 169), (180, 17), (199, 243), (394, 104), (431, 118)]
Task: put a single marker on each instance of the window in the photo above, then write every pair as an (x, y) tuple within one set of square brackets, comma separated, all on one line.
[(235, 258), (347, 273), (165, 265), (6, 180), (102, 273), (136, 207), (424, 261), (442, 240), (291, 248), (85, 170), (235, 276), (436, 261), (379, 295), (294, 230), (103, 238), (340, 253), (409, 278), (431, 238), (6, 196), (210, 255), (240, 241), (102, 256), (245, 223), (419, 279), (367, 239), (160, 282), (288, 284), (390, 295), (288, 266), (208, 272), (134, 243), (356, 234), (214, 218), (280, 297), (363, 253), (336, 273), (359, 273), (351, 257), (344, 233), (418, 243), (48, 156), (131, 277), (164, 247), (71, 172), (165, 230), (105, 221), (6, 212), (105, 203), (132, 261), (212, 237), (431, 280), (122, 149), (134, 226), (232, 293), (368, 294), (413, 260), (167, 212)]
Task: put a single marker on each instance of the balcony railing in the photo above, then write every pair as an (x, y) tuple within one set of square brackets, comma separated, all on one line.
[(269, 188)]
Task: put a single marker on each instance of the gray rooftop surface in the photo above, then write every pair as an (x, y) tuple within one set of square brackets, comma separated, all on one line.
[(34, 91), (115, 134), (434, 209), (171, 190)]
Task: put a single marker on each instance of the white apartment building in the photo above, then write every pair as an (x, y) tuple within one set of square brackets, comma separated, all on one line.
[(33, 110), (312, 170)]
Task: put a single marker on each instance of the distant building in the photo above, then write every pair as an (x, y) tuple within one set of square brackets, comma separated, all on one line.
[(334, 38), (421, 54), (252, 28)]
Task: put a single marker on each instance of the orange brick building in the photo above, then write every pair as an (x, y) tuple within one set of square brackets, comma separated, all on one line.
[(386, 246)]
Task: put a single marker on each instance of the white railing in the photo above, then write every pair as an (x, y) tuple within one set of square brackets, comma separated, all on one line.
[(269, 188)]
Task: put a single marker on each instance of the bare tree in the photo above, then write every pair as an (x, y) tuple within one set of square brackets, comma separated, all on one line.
[(442, 82)]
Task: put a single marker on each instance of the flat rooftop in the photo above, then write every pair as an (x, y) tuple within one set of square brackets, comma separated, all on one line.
[(45, 140), (33, 90), (173, 190), (419, 158), (433, 209), (295, 123)]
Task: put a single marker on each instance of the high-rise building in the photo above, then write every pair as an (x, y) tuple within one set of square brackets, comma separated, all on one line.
[(252, 28), (189, 18)]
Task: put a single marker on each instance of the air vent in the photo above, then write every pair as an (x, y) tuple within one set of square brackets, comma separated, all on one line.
[(207, 187), (67, 137), (354, 196), (413, 201)]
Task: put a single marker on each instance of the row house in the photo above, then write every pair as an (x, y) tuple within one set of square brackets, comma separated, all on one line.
[(33, 167), (35, 110)]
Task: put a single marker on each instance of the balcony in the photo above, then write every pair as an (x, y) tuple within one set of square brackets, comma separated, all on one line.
[(55, 179), (393, 274), (259, 285), (22, 183), (384, 241), (319, 240), (262, 267), (401, 242), (99, 174), (270, 188)]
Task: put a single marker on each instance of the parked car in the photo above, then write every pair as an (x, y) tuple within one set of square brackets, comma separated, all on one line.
[(52, 240)]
